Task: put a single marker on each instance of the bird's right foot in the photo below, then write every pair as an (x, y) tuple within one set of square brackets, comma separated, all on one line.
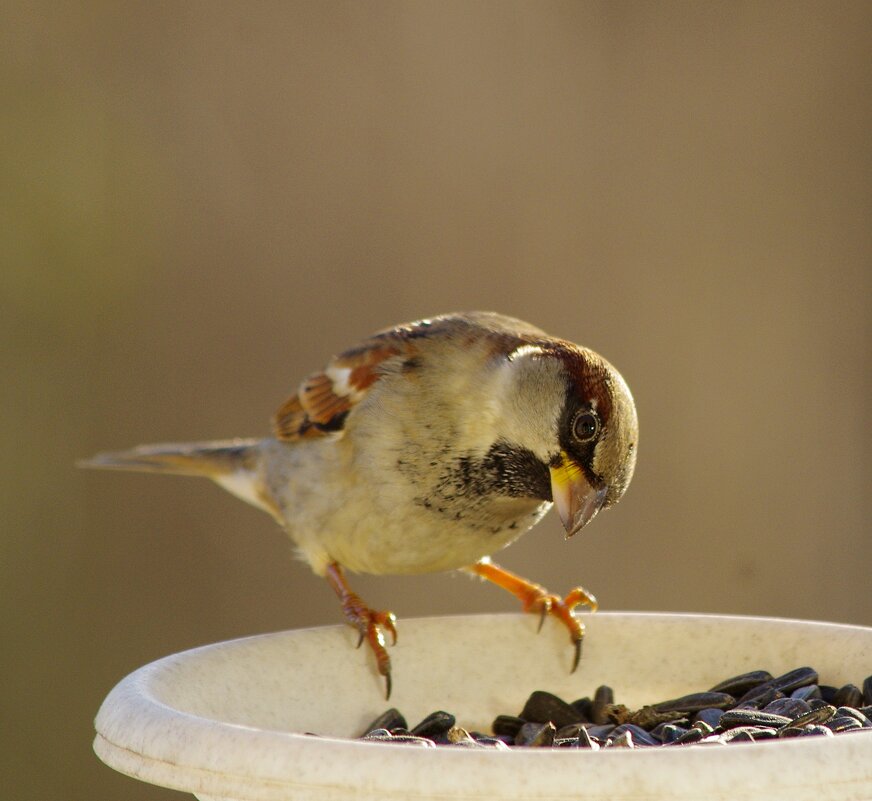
[(369, 623)]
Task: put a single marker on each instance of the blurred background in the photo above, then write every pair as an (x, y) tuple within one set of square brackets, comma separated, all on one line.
[(201, 202)]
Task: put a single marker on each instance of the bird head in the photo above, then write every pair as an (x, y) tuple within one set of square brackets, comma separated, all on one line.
[(572, 409)]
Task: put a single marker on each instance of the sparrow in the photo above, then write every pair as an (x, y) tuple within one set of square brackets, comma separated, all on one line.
[(429, 447)]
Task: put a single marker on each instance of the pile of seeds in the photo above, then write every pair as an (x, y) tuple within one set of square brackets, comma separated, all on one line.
[(751, 707)]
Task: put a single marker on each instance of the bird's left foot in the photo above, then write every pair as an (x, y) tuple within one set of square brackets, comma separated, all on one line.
[(535, 598), (538, 599)]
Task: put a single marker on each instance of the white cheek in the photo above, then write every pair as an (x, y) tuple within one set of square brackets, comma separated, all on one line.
[(530, 401)]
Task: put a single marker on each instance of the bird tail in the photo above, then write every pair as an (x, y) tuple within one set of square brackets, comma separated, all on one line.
[(234, 464), (210, 459)]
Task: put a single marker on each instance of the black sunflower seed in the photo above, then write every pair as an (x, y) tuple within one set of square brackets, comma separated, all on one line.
[(737, 686), (544, 707), (695, 702), (848, 695), (435, 725)]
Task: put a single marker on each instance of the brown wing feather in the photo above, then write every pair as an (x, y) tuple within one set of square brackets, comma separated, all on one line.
[(324, 399), (290, 421)]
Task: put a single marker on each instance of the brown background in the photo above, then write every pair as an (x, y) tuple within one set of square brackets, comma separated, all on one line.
[(201, 202)]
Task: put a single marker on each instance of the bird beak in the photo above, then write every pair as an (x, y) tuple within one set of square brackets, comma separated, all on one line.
[(576, 499)]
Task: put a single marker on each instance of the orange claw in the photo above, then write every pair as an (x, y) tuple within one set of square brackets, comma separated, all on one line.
[(368, 622), (536, 598)]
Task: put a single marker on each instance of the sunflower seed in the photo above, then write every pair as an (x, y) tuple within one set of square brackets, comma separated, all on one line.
[(623, 740), (843, 723), (408, 739), (794, 679), (696, 701), (789, 707), (640, 736), (828, 692), (544, 707), (851, 712), (435, 725), (709, 715), (586, 741), (739, 685), (759, 696), (536, 735), (601, 733), (807, 693), (602, 698), (848, 695), (389, 720), (377, 734), (747, 734), (814, 716), (508, 725), (751, 717), (583, 707), (693, 735), (740, 735), (670, 733)]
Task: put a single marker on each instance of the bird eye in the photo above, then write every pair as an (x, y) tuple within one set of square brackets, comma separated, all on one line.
[(585, 426)]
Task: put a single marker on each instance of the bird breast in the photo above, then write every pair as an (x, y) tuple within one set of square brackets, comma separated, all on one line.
[(391, 518)]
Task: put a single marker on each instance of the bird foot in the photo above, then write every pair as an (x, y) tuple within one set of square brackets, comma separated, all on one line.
[(538, 599), (370, 624), (535, 598)]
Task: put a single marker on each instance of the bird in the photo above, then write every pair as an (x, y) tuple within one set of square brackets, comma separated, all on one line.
[(428, 447)]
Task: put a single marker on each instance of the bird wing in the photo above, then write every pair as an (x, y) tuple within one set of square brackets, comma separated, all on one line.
[(323, 401), (325, 398)]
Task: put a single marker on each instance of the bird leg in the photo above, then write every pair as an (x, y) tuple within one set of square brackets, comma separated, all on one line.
[(368, 622), (536, 598)]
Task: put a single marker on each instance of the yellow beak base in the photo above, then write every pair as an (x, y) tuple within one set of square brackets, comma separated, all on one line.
[(576, 499)]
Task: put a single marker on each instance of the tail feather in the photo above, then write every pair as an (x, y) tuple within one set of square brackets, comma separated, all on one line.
[(211, 459), (234, 464)]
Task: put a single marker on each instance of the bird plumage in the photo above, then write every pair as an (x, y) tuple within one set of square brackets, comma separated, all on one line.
[(429, 446)]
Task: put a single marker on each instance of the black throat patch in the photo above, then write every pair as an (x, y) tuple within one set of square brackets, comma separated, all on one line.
[(505, 469)]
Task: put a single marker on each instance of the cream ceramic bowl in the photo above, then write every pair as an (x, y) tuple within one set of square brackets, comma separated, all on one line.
[(228, 721)]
